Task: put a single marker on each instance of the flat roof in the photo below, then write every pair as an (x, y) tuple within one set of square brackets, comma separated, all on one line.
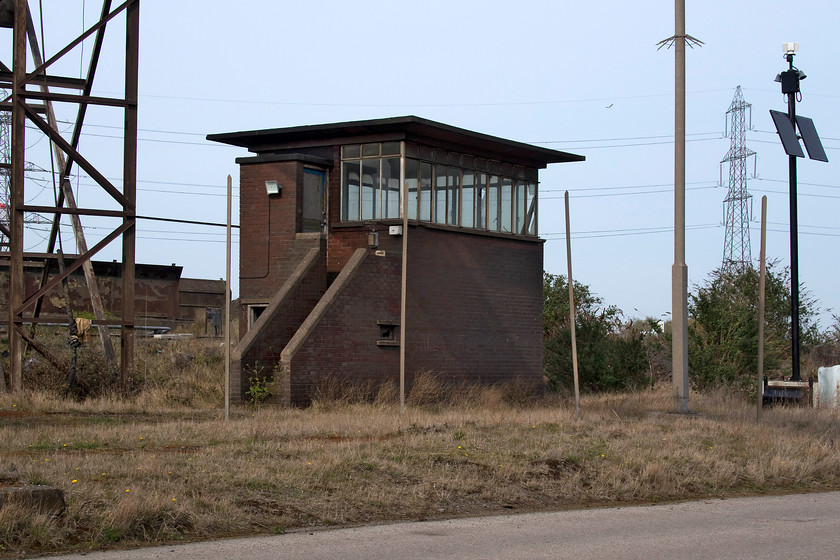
[(395, 128)]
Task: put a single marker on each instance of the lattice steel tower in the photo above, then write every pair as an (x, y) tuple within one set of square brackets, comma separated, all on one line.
[(5, 159), (737, 206)]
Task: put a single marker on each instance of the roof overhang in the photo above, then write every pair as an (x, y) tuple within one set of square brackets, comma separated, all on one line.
[(391, 129)]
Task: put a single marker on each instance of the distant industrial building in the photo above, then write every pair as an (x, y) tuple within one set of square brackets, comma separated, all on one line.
[(162, 297), (321, 242)]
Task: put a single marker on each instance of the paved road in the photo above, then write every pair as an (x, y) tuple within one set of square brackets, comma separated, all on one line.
[(802, 526)]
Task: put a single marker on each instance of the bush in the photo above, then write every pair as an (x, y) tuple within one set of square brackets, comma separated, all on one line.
[(611, 354), (723, 328)]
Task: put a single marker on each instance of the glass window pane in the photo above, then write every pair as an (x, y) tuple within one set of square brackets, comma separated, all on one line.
[(412, 167), (390, 148), (440, 194), (467, 200), (391, 188), (505, 202), (426, 191), (531, 204), (480, 200), (493, 204), (352, 151), (453, 215), (519, 208), (370, 189), (370, 150), (350, 190)]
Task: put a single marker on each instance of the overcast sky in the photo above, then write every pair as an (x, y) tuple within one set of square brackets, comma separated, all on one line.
[(583, 77)]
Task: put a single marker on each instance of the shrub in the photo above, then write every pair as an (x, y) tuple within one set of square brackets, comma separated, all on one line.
[(723, 328), (611, 354)]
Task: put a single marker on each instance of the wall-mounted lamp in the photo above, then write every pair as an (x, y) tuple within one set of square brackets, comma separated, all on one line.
[(272, 187)]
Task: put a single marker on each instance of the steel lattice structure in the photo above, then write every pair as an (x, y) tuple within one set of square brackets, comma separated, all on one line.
[(5, 158), (737, 206), (35, 85)]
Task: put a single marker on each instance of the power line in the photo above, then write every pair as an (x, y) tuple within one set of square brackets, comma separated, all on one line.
[(192, 222), (623, 232), (671, 190), (620, 139), (786, 181), (622, 187), (403, 105), (632, 145)]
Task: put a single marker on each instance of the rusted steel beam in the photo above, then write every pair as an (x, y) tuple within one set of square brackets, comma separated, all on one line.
[(41, 349), (91, 30), (81, 243), (74, 141), (126, 199), (61, 320), (132, 50), (73, 98), (16, 194), (7, 106), (79, 261), (6, 79), (74, 211), (78, 158)]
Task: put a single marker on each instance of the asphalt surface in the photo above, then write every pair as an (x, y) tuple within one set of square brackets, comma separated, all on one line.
[(801, 526)]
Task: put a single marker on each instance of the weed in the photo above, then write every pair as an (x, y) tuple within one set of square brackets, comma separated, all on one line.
[(258, 390)]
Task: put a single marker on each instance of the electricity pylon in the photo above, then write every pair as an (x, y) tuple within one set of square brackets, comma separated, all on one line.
[(737, 206)]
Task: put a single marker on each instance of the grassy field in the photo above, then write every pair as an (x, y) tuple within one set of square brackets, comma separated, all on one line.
[(151, 470)]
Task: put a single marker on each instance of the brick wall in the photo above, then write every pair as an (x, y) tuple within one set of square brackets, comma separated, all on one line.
[(270, 247), (474, 306), (267, 225), (474, 313), (259, 351), (342, 340)]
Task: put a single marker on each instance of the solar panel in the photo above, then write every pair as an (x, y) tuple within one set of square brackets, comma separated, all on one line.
[(787, 133), (811, 138)]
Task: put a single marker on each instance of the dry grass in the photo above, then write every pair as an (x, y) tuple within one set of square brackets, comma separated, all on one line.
[(153, 469)]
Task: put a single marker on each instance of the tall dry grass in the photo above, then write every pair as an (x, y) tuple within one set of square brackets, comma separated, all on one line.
[(163, 465)]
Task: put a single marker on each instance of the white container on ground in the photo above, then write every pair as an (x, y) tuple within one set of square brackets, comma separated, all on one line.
[(829, 380)]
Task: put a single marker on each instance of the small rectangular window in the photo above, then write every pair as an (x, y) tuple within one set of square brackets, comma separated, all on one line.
[(411, 170), (493, 204), (440, 194), (389, 334), (391, 188), (370, 188), (506, 201), (519, 208), (453, 197), (467, 199), (426, 191), (254, 312), (351, 151), (351, 184), (390, 148), (370, 150), (481, 201), (531, 204)]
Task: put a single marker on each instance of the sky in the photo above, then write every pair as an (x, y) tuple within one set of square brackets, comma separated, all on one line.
[(582, 77)]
